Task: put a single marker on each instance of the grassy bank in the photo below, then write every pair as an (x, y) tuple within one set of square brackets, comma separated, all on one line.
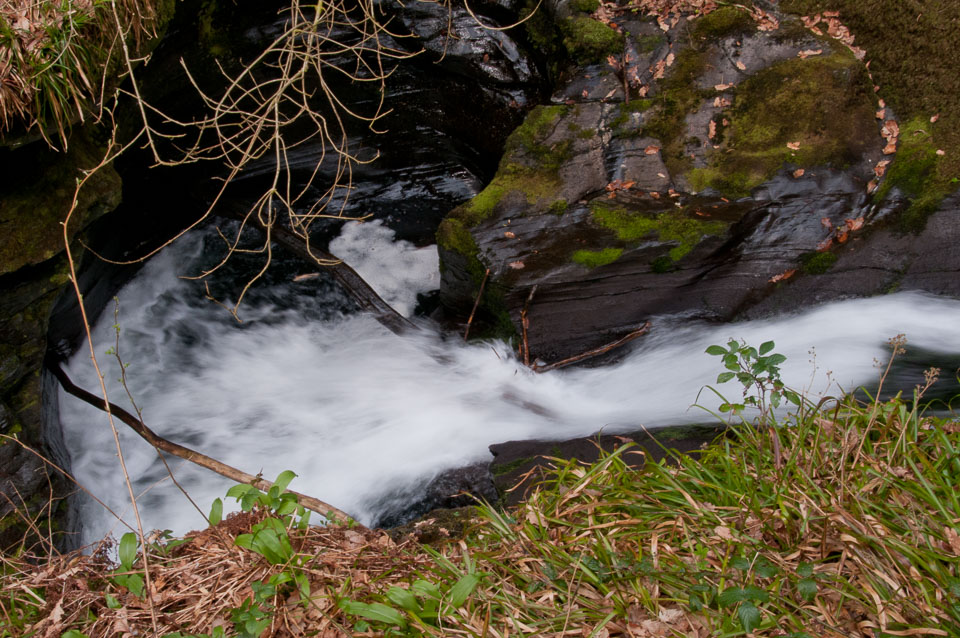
[(838, 519)]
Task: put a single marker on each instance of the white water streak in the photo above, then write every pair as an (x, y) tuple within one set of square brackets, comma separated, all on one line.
[(360, 414)]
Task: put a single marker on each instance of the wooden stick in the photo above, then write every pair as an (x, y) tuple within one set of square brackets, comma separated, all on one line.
[(160, 443), (525, 326), (642, 330), (476, 304)]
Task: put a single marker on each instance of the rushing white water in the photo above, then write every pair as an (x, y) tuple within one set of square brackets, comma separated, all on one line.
[(364, 416)]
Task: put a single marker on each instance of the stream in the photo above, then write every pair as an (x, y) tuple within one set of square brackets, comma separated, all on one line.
[(365, 417)]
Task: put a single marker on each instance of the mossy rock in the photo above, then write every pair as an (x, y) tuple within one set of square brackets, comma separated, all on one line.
[(817, 263), (597, 258), (588, 40), (34, 202), (667, 226), (823, 104), (724, 22)]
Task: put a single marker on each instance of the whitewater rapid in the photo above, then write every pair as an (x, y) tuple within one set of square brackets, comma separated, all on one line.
[(366, 417)]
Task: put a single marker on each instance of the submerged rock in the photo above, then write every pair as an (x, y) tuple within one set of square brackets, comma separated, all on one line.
[(711, 162)]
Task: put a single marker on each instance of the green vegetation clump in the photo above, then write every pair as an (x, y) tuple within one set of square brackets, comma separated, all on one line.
[(824, 104), (650, 43), (559, 207), (452, 235), (668, 226), (724, 22), (588, 40), (597, 258), (585, 6), (817, 263)]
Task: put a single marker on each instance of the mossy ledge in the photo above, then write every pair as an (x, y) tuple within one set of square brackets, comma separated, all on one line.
[(668, 226), (822, 104), (597, 258)]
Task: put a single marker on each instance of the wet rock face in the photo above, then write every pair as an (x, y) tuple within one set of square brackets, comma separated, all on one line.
[(711, 162)]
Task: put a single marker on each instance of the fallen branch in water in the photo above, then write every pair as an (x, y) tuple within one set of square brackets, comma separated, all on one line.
[(642, 330), (160, 443)]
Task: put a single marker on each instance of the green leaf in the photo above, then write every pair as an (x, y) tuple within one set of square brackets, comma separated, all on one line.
[(283, 480), (462, 589), (807, 588), (377, 612), (776, 359), (128, 550), (749, 616), (73, 633), (741, 563), (216, 512), (238, 491), (766, 347), (805, 570), (112, 602), (695, 603), (403, 598), (723, 377), (734, 595), (716, 351), (765, 569), (426, 589)]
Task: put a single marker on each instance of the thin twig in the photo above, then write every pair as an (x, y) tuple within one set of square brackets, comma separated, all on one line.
[(595, 352), (476, 304), (525, 326)]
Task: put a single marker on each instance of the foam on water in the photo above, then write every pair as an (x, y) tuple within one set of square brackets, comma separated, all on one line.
[(364, 416)]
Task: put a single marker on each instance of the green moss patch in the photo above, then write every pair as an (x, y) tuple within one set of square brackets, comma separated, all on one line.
[(914, 60), (724, 22), (823, 104), (597, 258), (668, 226), (817, 263), (588, 40)]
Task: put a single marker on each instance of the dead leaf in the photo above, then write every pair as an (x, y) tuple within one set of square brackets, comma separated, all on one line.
[(934, 118), (670, 58), (953, 538), (659, 69), (941, 152), (584, 94), (806, 53), (872, 185), (854, 224), (655, 194), (510, 235), (661, 176), (882, 113), (842, 236), (783, 276), (826, 223), (721, 102), (882, 103), (722, 87), (740, 65), (793, 146), (651, 150), (890, 148), (825, 245), (306, 276), (881, 168), (798, 173), (628, 185), (517, 265), (712, 130), (890, 130), (642, 91), (614, 62), (723, 532)]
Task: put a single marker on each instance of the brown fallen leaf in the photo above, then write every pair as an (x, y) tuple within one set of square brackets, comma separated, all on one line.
[(934, 118), (881, 103), (670, 58), (890, 130), (806, 53), (825, 245), (782, 276), (826, 223), (722, 87), (659, 69), (628, 185), (798, 173), (854, 224), (655, 194), (510, 235), (842, 236), (517, 265), (890, 148), (740, 65), (652, 150), (872, 185), (721, 102), (881, 168), (661, 176), (700, 213), (712, 130), (882, 113), (793, 146), (941, 152), (642, 91), (584, 94), (306, 276)]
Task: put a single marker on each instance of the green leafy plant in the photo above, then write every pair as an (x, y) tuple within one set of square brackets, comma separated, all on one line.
[(124, 576), (757, 370)]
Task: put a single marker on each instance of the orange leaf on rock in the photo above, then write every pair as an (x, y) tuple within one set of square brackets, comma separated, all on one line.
[(890, 130), (890, 148), (712, 130), (793, 146), (651, 150), (854, 224), (882, 113), (941, 152), (872, 186), (670, 58), (881, 168), (798, 173), (517, 265), (655, 194), (722, 87), (510, 235), (740, 65), (826, 223), (806, 53), (825, 245), (934, 119), (783, 276), (842, 237)]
